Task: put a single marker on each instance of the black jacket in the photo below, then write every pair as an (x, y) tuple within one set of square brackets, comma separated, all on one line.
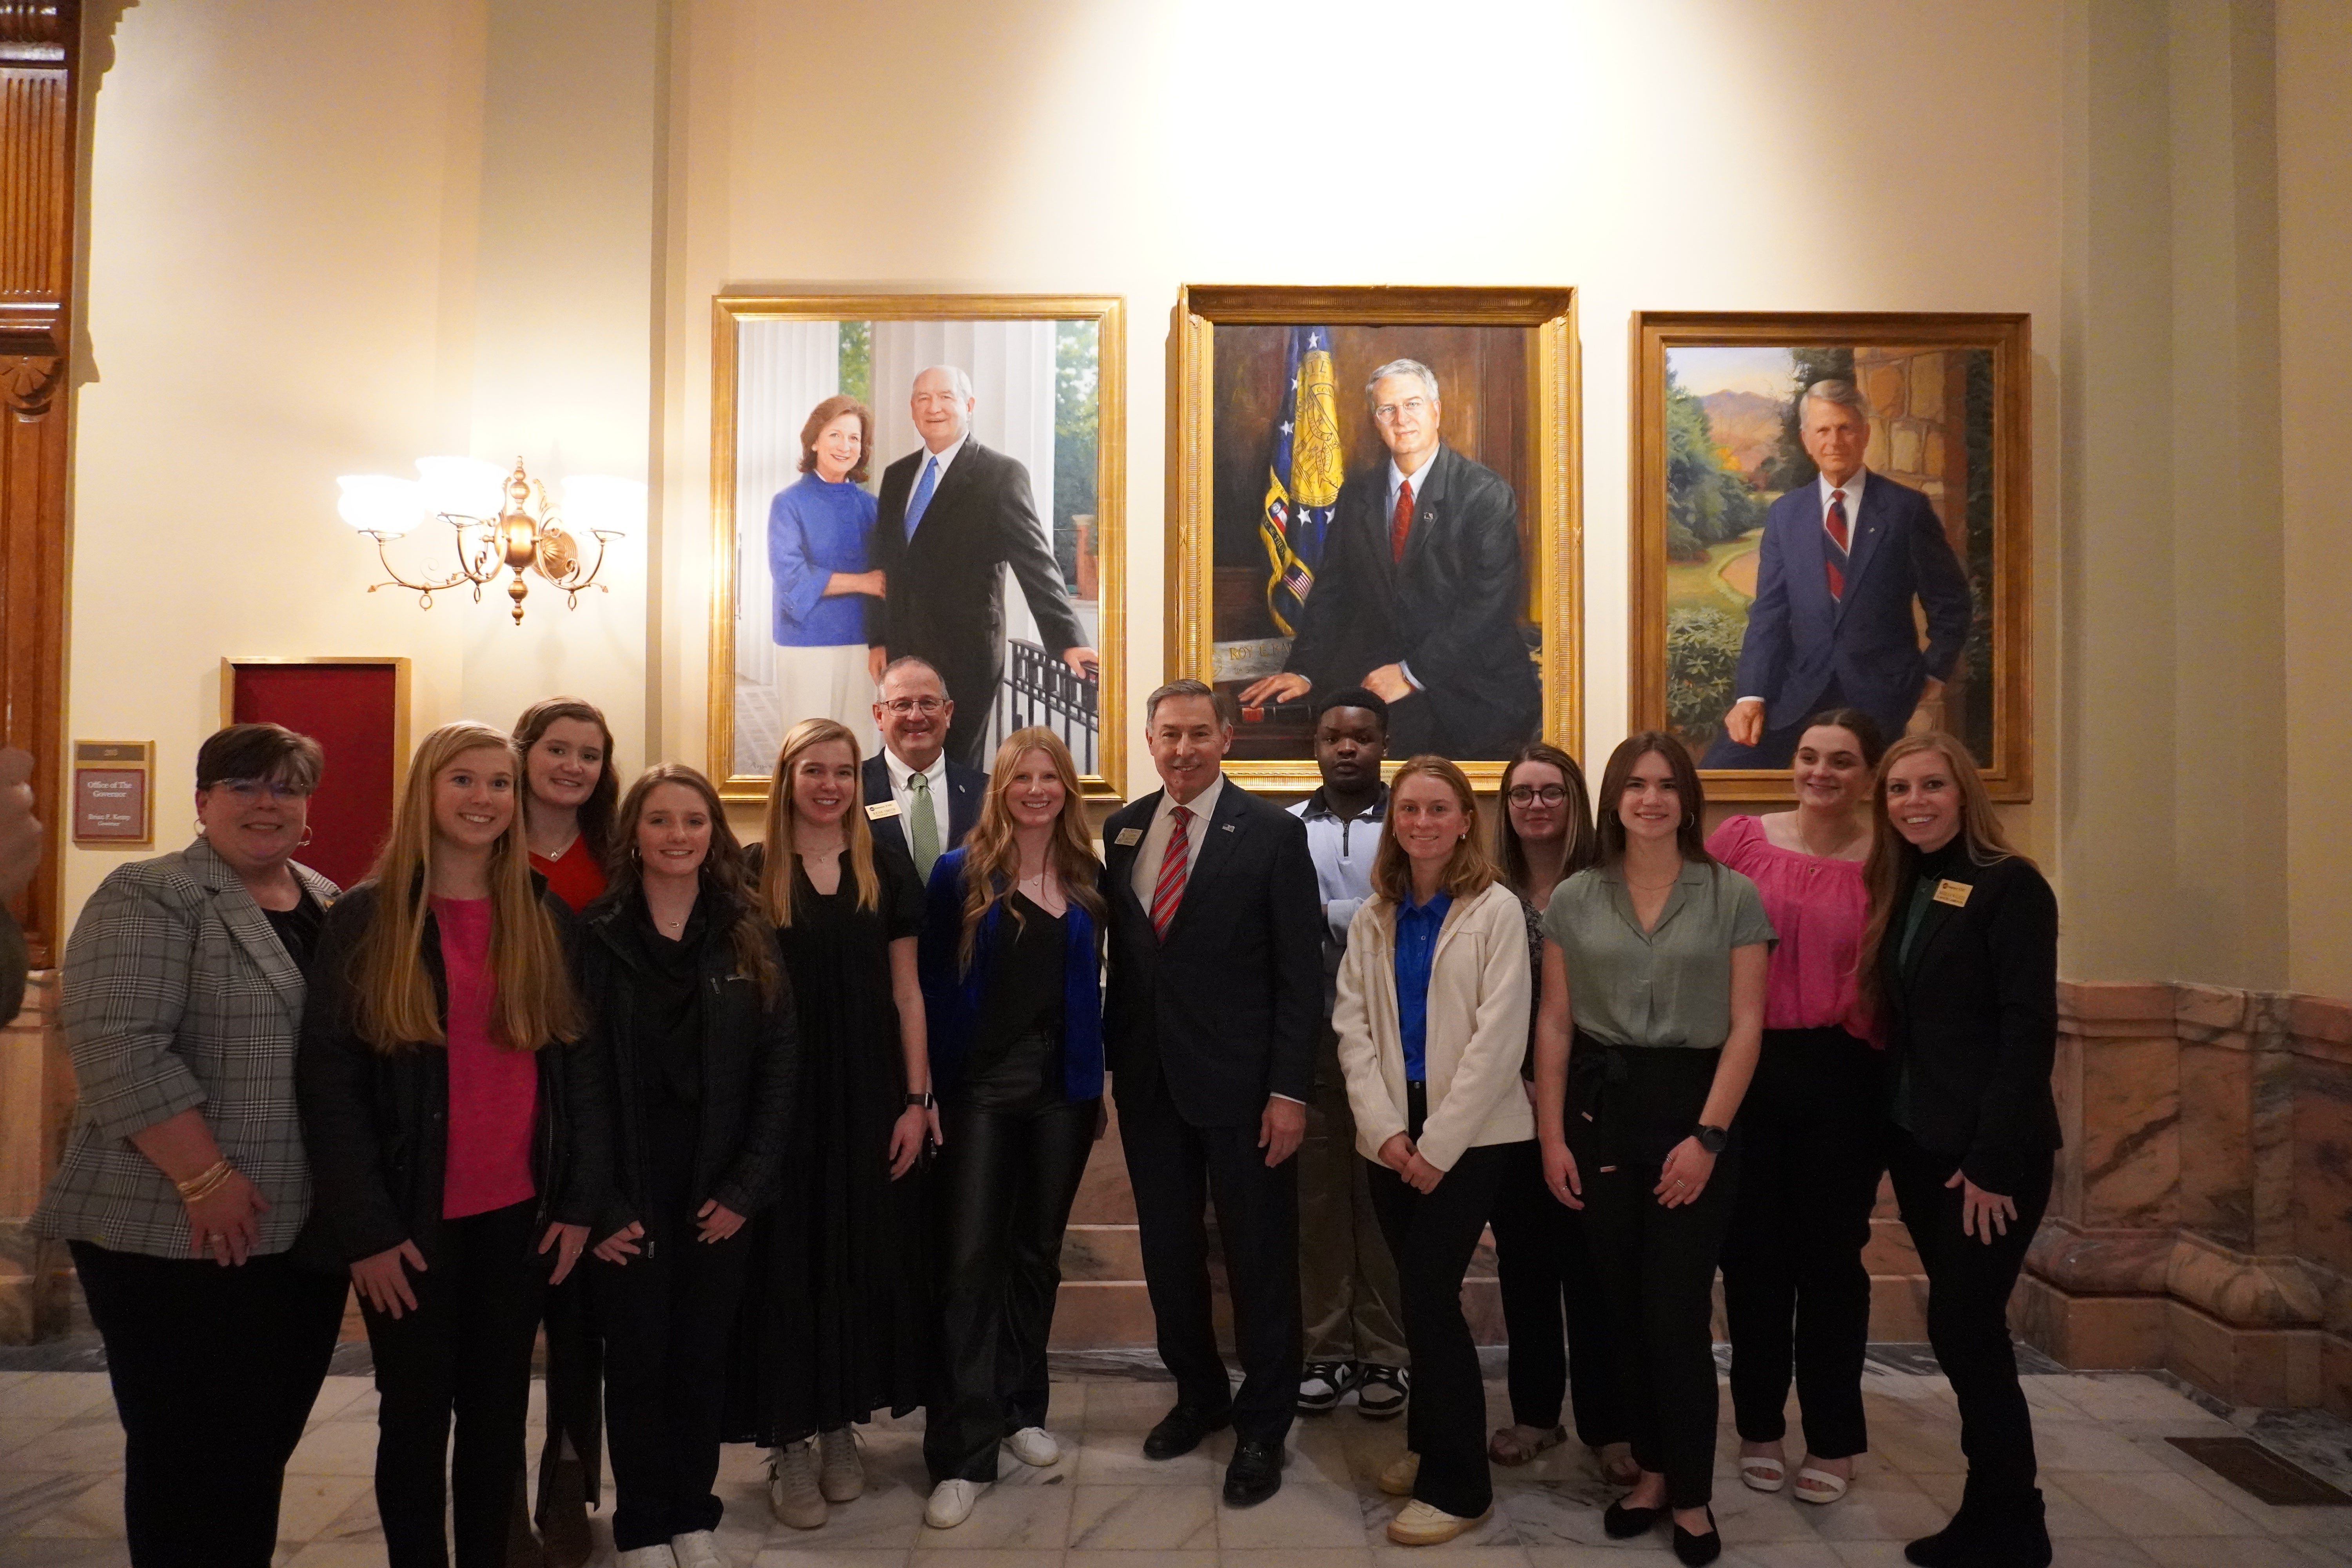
[(946, 602), (1231, 1003), (960, 799), (1450, 611), (376, 1124), (750, 1062), (1973, 1021)]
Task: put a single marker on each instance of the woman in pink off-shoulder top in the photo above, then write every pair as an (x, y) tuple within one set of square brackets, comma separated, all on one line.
[(1796, 1294)]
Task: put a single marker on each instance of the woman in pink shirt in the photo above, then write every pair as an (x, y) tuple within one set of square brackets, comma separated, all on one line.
[(459, 1139), (1795, 1291)]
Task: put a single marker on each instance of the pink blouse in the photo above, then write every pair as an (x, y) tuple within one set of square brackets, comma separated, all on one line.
[(493, 1091), (1820, 907)]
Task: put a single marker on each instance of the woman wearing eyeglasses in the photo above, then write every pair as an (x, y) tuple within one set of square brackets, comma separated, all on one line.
[(1543, 836)]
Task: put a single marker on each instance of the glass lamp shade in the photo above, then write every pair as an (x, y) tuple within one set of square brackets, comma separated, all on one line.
[(380, 504), (462, 487), (599, 503)]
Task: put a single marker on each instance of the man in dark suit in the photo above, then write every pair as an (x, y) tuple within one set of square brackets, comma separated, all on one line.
[(1832, 625), (915, 794), (1419, 595), (1210, 1020), (950, 515)]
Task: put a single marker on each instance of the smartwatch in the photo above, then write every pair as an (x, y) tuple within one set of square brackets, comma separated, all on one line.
[(1711, 1139)]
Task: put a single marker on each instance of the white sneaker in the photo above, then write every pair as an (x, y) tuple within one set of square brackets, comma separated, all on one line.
[(840, 1475), (950, 1503), (792, 1495), (1034, 1445), (646, 1557), (697, 1548)]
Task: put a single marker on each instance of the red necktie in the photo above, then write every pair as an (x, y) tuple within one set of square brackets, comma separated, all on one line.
[(1402, 523), (1833, 523), (1168, 891)]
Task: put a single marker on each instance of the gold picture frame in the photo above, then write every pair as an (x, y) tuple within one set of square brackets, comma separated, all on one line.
[(1951, 398), (732, 314), (1542, 407)]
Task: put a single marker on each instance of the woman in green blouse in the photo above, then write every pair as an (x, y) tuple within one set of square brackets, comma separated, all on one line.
[(1655, 959)]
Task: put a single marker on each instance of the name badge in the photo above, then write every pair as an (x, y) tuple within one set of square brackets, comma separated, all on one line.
[(880, 809), (1128, 837), (1953, 893)]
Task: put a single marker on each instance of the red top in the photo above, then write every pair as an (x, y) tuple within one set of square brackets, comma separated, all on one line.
[(575, 876), (1819, 907), (493, 1091)]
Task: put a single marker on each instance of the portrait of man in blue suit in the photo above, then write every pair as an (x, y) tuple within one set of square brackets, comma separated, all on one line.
[(1842, 562)]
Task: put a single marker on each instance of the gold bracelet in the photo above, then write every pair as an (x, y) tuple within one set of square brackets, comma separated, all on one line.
[(203, 1184)]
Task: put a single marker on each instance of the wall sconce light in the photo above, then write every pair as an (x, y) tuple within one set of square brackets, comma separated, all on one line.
[(500, 524)]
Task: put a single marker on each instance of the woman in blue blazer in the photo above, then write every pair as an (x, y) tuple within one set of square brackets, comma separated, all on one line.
[(1010, 957)]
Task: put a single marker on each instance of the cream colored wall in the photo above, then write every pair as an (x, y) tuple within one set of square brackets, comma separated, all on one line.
[(320, 244)]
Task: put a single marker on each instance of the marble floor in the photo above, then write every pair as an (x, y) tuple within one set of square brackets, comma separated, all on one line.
[(2118, 1493)]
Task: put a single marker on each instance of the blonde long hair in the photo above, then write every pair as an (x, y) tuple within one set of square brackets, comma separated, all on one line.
[(397, 1006), (782, 855), (992, 860), (1469, 871), (1892, 857)]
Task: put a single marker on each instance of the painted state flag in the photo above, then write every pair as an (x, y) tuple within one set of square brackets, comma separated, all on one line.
[(1302, 477)]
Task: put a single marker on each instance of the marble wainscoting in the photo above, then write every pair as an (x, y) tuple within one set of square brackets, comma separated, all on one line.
[(2202, 1218)]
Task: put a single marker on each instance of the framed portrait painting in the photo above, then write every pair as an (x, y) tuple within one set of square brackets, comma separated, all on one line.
[(935, 476), (1377, 488), (1833, 511)]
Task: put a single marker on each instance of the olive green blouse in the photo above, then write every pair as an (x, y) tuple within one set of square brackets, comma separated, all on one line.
[(1668, 986)]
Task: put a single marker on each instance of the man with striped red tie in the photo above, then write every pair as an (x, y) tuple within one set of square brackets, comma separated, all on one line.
[(1210, 1021), (1832, 625)]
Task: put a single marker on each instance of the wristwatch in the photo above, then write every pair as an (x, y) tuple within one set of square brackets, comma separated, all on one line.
[(1711, 1139), (924, 1100)]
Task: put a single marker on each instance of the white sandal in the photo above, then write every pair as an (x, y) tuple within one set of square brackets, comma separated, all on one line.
[(1825, 1486), (1762, 1472)]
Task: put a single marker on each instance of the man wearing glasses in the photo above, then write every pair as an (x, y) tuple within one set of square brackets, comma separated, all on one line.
[(916, 793)]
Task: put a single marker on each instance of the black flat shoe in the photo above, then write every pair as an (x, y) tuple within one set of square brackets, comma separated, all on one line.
[(1624, 1523), (1255, 1473), (1180, 1431), (1698, 1550)]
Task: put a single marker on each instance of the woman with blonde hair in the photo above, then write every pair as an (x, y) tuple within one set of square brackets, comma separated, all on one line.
[(457, 1133), (1432, 1025), (837, 1322), (1011, 960), (1961, 957)]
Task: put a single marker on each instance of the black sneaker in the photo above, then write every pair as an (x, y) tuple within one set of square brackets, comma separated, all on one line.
[(1381, 1392), (1323, 1384)]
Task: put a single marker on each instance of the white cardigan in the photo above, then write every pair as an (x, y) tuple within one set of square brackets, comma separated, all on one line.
[(1476, 1035)]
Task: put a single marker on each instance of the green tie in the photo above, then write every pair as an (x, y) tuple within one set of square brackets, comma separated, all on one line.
[(924, 826)]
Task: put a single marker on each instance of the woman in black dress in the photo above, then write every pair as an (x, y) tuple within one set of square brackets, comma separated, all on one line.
[(837, 1321)]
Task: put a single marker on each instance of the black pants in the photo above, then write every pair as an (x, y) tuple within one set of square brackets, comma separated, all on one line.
[(1432, 1236), (1795, 1291), (1005, 1182), (1656, 1263), (1968, 1312), (214, 1372), (576, 1389), (1543, 1263), (666, 1315), (1175, 1168), (464, 1350)]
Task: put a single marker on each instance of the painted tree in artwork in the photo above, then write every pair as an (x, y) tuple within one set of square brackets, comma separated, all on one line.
[(1708, 501), (1077, 413)]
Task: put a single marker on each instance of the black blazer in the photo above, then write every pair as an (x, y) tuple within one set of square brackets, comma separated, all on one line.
[(965, 788), (946, 599), (376, 1125), (750, 1061), (1451, 609), (1973, 1021), (1230, 1005)]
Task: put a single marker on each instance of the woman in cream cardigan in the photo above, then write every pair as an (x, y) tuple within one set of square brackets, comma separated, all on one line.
[(1433, 1021)]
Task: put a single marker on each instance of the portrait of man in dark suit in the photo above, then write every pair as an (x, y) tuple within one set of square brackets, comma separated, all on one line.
[(1843, 562), (915, 793), (1421, 589), (951, 516)]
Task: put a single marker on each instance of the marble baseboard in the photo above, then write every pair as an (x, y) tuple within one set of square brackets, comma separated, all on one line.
[(36, 1287), (2269, 1367)]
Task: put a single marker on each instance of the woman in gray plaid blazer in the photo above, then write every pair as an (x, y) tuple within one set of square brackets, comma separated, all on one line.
[(183, 1184)]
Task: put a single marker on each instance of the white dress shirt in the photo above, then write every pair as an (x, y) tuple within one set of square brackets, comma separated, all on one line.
[(1154, 851), (945, 459), (902, 790)]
